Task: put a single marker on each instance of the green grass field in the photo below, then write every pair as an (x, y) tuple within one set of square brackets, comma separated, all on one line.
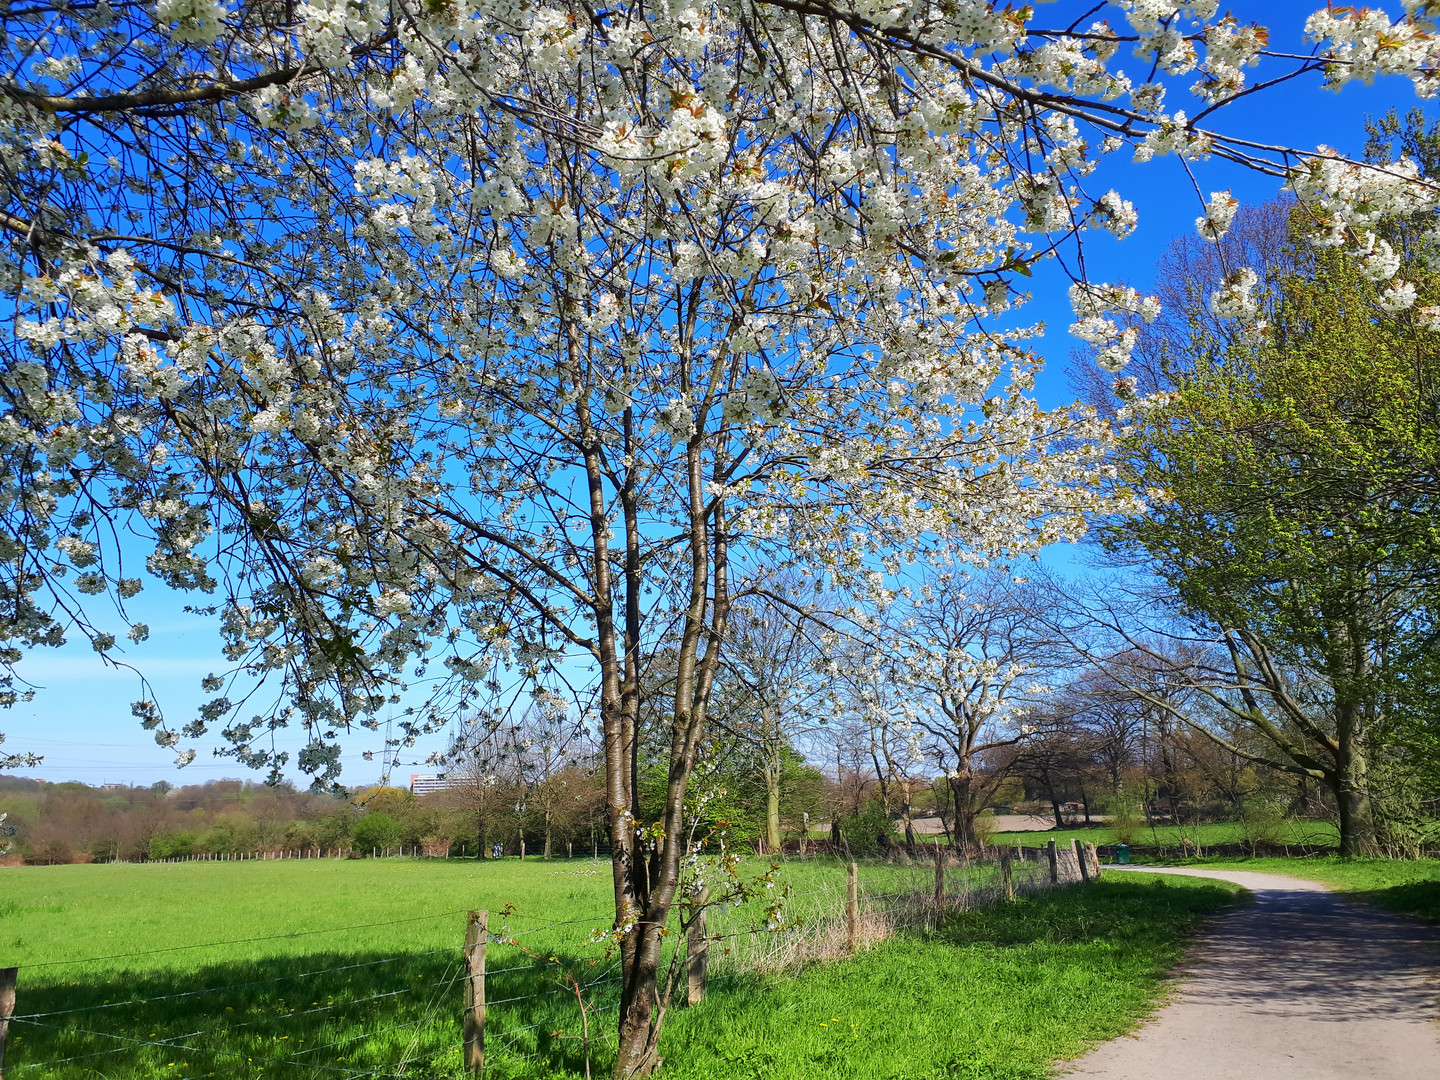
[(1222, 832), (350, 969)]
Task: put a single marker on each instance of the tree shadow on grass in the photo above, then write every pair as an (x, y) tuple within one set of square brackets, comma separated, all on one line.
[(1420, 898), (324, 1015), (1109, 910)]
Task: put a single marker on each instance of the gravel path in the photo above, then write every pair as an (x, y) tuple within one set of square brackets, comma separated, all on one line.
[(1298, 985)]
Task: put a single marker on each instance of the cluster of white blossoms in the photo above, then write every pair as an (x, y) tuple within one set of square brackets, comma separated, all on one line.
[(1229, 49), (1219, 213), (1361, 43), (1093, 304), (1235, 298), (191, 20), (372, 294), (758, 398)]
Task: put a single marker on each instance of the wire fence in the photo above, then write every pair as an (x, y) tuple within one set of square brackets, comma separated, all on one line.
[(543, 982)]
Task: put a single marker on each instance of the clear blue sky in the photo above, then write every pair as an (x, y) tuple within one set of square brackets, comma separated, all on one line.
[(81, 719)]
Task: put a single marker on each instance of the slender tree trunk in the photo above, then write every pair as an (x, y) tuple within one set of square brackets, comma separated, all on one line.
[(772, 805), (643, 1000)]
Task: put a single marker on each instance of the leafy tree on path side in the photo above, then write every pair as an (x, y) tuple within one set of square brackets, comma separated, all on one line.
[(1292, 512)]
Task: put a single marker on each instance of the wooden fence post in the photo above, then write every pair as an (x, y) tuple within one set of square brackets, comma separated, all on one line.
[(852, 906), (1054, 857), (1094, 857), (1007, 883), (1081, 860), (7, 1009), (477, 930), (697, 946), (939, 880)]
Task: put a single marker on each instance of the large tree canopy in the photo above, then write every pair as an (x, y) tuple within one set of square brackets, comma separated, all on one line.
[(356, 312), (1292, 490)]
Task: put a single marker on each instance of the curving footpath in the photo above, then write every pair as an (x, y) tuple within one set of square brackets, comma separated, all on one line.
[(1299, 985)]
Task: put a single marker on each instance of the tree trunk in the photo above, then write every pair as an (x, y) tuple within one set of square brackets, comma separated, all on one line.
[(643, 901), (965, 837), (1054, 801), (772, 807), (1352, 800)]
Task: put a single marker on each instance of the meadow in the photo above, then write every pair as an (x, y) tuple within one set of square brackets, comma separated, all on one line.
[(349, 969)]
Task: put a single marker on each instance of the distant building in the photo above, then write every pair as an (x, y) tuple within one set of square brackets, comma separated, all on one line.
[(425, 784)]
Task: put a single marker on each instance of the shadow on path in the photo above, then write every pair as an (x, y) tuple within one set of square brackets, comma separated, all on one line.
[(1298, 985)]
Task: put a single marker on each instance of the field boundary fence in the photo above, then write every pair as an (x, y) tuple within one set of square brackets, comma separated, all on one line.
[(509, 987)]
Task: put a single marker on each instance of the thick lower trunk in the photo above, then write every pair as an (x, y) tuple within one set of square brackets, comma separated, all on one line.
[(637, 1053), (1352, 801), (965, 835), (1054, 803)]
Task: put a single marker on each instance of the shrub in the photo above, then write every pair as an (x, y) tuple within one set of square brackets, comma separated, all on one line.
[(172, 845), (1126, 820), (862, 832), (378, 830)]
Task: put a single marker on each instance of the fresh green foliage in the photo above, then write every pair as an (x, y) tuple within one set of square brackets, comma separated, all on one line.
[(1289, 477), (992, 994), (377, 830), (862, 831)]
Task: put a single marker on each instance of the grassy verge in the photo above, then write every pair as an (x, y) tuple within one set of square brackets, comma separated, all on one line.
[(1411, 887), (344, 970), (1207, 835), (995, 994)]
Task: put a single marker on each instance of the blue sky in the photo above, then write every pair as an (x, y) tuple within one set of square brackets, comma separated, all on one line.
[(80, 720)]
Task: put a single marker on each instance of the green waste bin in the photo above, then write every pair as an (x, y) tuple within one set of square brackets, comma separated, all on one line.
[(1122, 853)]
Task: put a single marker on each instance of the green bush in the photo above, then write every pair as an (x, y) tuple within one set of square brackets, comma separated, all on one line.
[(378, 830), (862, 832), (1126, 818), (172, 845)]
